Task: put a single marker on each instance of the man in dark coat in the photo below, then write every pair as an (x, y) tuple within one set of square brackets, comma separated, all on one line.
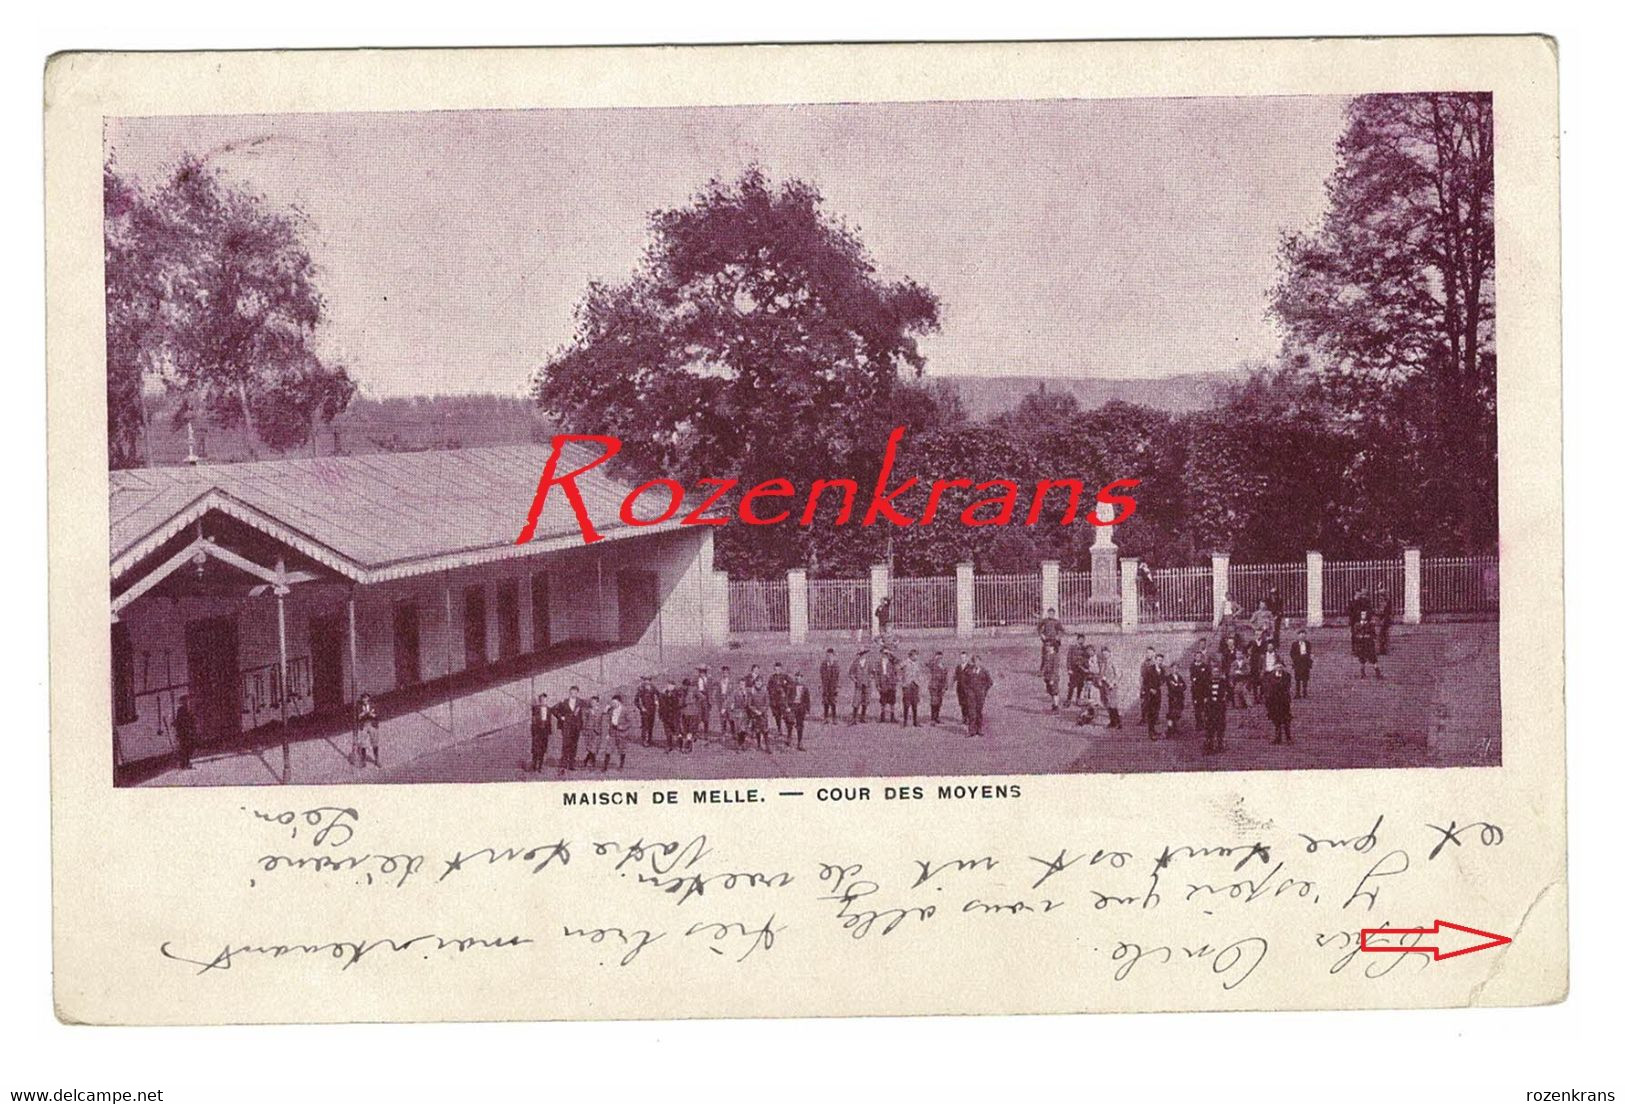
[(541, 728), (977, 681), (1214, 716), (1278, 702), (671, 714), (800, 706), (1174, 684), (936, 679), (829, 685), (959, 685), (1077, 670), (778, 699), (185, 732), (568, 714), (1151, 680), (1303, 661), (1201, 682), (647, 700)]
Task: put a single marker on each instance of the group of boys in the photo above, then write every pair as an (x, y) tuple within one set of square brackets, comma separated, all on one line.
[(1218, 684), (732, 709), (886, 678), (1245, 663), (589, 730)]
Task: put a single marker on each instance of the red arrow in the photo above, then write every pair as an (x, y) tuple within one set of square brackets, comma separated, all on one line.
[(1488, 939)]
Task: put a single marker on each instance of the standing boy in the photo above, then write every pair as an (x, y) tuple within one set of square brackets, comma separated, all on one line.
[(829, 684), (1303, 661), (541, 728), (909, 679), (936, 685), (800, 706), (860, 675)]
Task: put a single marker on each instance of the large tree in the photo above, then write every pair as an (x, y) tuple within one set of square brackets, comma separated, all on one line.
[(135, 308), (1393, 296), (212, 292), (755, 339)]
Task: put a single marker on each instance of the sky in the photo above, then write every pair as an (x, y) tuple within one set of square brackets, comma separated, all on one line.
[(1088, 237)]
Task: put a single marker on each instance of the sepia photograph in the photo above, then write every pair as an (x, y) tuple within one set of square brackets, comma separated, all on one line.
[(838, 440)]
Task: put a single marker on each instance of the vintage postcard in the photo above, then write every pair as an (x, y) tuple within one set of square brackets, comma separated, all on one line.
[(816, 530)]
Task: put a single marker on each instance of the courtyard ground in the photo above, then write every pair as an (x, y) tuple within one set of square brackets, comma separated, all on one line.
[(1438, 705)]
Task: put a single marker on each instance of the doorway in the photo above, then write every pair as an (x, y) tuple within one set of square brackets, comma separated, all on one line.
[(541, 614), (507, 620), (327, 663), (474, 654), (211, 676), (407, 669)]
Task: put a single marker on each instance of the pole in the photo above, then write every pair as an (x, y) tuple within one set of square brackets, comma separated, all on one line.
[(355, 721), (598, 561), (281, 591), (451, 698)]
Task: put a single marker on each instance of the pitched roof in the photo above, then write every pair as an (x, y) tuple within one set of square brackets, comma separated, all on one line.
[(373, 517)]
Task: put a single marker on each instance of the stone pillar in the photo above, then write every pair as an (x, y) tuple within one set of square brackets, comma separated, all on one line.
[(879, 587), (1315, 580), (1049, 586), (1221, 584), (716, 607), (796, 577), (1131, 593), (964, 600), (1413, 586)]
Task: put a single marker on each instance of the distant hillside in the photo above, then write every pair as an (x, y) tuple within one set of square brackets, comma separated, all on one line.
[(368, 425), (985, 396), (466, 421)]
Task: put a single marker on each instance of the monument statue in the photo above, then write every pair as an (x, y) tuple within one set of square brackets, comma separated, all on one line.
[(1103, 581)]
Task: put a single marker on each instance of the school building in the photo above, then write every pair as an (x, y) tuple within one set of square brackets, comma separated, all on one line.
[(279, 590)]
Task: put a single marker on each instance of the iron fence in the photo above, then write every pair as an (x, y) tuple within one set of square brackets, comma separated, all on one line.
[(1179, 594), (838, 605), (930, 603), (1003, 600), (1461, 584), (1078, 607), (758, 605), (1251, 584), (1341, 581), (1457, 585)]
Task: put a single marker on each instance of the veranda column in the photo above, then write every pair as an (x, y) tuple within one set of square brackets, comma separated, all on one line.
[(879, 588), (281, 591), (1130, 570), (964, 600), (451, 698), (1315, 582), (1049, 586), (796, 578), (1221, 585), (354, 651), (1413, 586)]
